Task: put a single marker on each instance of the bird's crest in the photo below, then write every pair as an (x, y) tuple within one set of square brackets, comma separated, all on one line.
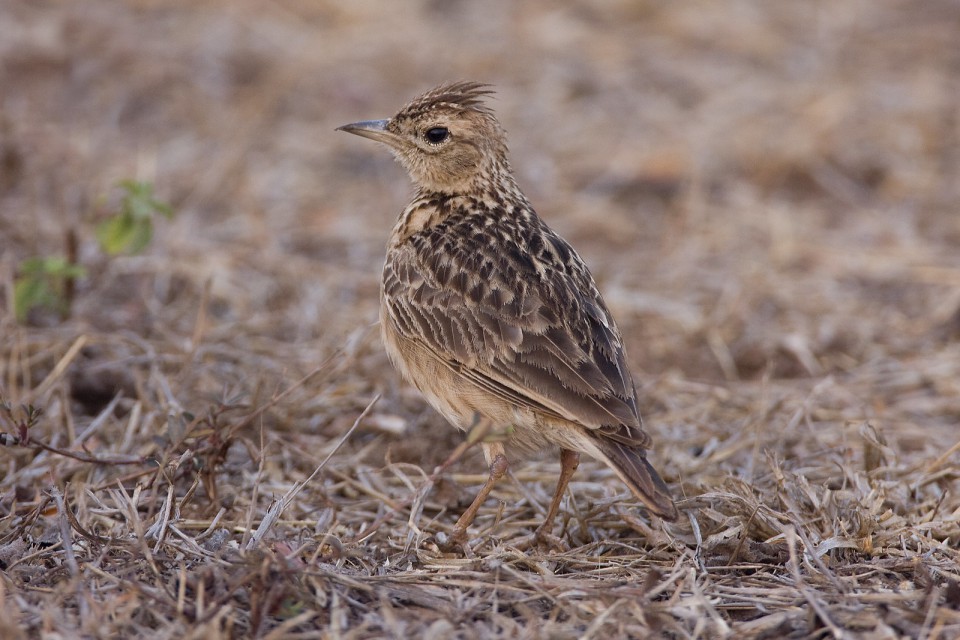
[(462, 96)]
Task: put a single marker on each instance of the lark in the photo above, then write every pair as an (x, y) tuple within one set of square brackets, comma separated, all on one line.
[(492, 315)]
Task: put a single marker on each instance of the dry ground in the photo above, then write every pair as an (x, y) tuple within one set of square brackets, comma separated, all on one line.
[(767, 193)]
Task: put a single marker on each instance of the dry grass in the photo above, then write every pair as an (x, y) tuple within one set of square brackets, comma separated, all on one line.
[(767, 193)]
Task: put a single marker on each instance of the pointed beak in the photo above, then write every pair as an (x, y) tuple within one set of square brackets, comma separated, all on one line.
[(373, 129)]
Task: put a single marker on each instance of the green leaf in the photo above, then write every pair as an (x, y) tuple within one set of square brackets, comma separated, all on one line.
[(139, 200), (29, 293), (114, 234), (124, 234), (131, 230), (42, 283), (56, 267)]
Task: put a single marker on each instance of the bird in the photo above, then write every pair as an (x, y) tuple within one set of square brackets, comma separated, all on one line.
[(493, 316)]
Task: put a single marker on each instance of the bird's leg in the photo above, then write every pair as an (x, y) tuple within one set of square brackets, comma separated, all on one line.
[(569, 461), (496, 457)]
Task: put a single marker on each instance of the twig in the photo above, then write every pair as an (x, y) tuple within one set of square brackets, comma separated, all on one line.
[(790, 535), (92, 459), (283, 394), (277, 508), (58, 369), (936, 464), (66, 535), (477, 434)]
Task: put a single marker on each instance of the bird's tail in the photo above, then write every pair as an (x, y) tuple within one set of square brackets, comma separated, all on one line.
[(631, 465)]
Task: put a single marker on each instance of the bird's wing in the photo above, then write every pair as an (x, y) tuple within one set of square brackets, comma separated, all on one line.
[(524, 322)]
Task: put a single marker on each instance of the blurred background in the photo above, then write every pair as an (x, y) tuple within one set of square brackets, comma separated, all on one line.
[(764, 190)]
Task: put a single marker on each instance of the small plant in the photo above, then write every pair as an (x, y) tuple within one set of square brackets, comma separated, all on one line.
[(48, 282), (23, 420), (131, 230), (44, 283)]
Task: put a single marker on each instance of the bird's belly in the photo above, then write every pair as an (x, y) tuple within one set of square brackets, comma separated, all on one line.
[(461, 401)]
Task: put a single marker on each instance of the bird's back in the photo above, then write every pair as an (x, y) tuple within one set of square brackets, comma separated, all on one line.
[(501, 299)]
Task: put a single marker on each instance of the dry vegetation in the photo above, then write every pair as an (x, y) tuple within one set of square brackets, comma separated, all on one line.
[(767, 193)]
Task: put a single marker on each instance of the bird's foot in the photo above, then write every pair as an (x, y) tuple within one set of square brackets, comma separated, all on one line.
[(456, 541), (543, 540)]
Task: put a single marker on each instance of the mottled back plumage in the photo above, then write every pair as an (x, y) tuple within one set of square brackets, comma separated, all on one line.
[(488, 311)]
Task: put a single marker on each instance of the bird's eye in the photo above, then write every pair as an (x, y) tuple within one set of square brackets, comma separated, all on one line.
[(436, 135)]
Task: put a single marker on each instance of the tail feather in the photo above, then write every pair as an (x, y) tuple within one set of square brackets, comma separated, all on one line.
[(631, 465)]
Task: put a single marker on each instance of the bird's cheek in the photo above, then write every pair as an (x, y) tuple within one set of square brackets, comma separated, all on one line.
[(411, 162), (463, 165), (425, 172), (422, 173)]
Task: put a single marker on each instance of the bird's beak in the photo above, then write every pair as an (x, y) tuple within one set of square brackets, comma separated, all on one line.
[(373, 129)]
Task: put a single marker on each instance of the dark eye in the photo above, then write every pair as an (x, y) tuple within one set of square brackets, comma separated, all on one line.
[(436, 135)]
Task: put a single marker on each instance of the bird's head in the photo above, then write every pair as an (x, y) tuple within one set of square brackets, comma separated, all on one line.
[(447, 139)]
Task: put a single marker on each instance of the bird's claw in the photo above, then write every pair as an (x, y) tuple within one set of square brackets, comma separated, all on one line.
[(543, 540), (455, 542)]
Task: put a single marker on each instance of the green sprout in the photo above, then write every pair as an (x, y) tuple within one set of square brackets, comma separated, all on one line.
[(43, 283), (131, 230)]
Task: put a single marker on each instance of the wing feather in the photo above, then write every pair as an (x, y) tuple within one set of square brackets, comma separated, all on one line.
[(535, 332)]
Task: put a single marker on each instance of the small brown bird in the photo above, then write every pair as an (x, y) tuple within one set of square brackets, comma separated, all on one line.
[(492, 315)]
